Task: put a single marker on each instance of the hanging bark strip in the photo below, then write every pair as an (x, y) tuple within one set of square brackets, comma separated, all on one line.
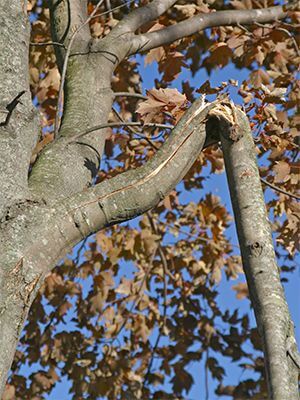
[(259, 261)]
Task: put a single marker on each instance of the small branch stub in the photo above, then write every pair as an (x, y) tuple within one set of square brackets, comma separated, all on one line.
[(255, 249)]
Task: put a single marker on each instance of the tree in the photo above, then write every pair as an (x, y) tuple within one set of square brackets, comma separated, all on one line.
[(54, 194)]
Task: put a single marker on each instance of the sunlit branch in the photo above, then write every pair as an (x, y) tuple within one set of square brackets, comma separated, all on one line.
[(148, 41), (257, 251)]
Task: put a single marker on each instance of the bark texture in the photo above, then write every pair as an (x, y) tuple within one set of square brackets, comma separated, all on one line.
[(18, 119), (259, 261)]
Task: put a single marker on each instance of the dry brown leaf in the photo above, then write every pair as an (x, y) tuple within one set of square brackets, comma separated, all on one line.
[(282, 170), (241, 290), (159, 101)]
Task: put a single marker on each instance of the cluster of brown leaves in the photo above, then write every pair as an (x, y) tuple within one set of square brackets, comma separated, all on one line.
[(162, 101), (137, 304)]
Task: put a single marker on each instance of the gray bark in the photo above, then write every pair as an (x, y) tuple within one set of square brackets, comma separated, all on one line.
[(19, 134), (42, 217), (259, 261)]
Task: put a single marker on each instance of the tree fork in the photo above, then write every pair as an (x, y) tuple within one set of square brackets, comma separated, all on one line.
[(259, 262)]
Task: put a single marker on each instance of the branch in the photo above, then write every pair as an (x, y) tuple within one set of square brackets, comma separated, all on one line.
[(136, 191), (277, 189), (200, 22), (87, 102), (19, 131), (259, 260)]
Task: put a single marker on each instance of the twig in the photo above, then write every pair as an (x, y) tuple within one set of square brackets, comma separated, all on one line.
[(243, 28), (65, 65), (165, 270), (116, 125), (162, 254), (134, 131), (113, 9), (206, 376), (10, 108), (257, 139), (206, 240), (293, 39), (135, 303), (294, 26), (82, 246), (294, 196), (129, 94), (282, 30), (293, 351), (47, 44)]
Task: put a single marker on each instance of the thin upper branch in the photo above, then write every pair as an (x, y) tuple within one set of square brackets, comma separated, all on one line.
[(142, 15), (277, 189), (200, 22)]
